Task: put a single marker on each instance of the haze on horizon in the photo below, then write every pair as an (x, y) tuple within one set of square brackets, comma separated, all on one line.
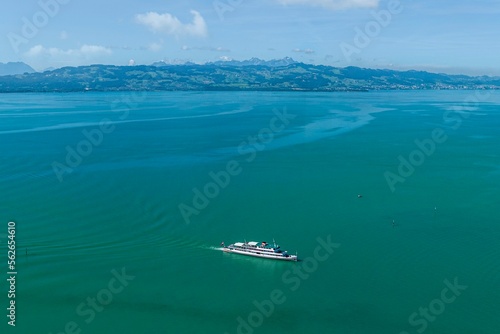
[(437, 36)]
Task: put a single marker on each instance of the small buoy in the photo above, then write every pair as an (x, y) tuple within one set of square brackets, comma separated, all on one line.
[(359, 196)]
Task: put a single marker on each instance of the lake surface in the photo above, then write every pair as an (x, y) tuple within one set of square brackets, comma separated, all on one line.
[(121, 201)]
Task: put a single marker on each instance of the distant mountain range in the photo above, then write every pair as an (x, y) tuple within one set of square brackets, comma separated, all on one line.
[(236, 63), (254, 74), (15, 68), (256, 62)]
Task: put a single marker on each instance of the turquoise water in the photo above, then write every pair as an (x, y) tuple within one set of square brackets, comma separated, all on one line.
[(116, 203)]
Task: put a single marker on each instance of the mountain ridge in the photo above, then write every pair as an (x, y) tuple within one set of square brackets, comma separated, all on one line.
[(13, 68), (253, 74)]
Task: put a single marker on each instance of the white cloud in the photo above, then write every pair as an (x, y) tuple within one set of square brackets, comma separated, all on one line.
[(40, 57), (91, 50), (333, 4), (205, 48), (306, 51), (169, 24), (86, 51)]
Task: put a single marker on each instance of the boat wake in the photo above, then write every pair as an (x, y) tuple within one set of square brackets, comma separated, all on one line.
[(213, 248)]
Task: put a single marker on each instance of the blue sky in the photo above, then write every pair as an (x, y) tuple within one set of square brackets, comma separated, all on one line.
[(440, 36)]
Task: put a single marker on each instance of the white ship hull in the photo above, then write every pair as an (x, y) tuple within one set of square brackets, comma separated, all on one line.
[(251, 249)]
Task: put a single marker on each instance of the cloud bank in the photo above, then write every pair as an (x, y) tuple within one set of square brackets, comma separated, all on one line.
[(205, 48), (307, 51), (41, 57), (85, 51)]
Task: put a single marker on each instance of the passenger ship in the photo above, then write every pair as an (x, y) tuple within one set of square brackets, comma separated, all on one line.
[(257, 249)]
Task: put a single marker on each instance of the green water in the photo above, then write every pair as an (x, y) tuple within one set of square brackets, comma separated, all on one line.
[(117, 207)]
